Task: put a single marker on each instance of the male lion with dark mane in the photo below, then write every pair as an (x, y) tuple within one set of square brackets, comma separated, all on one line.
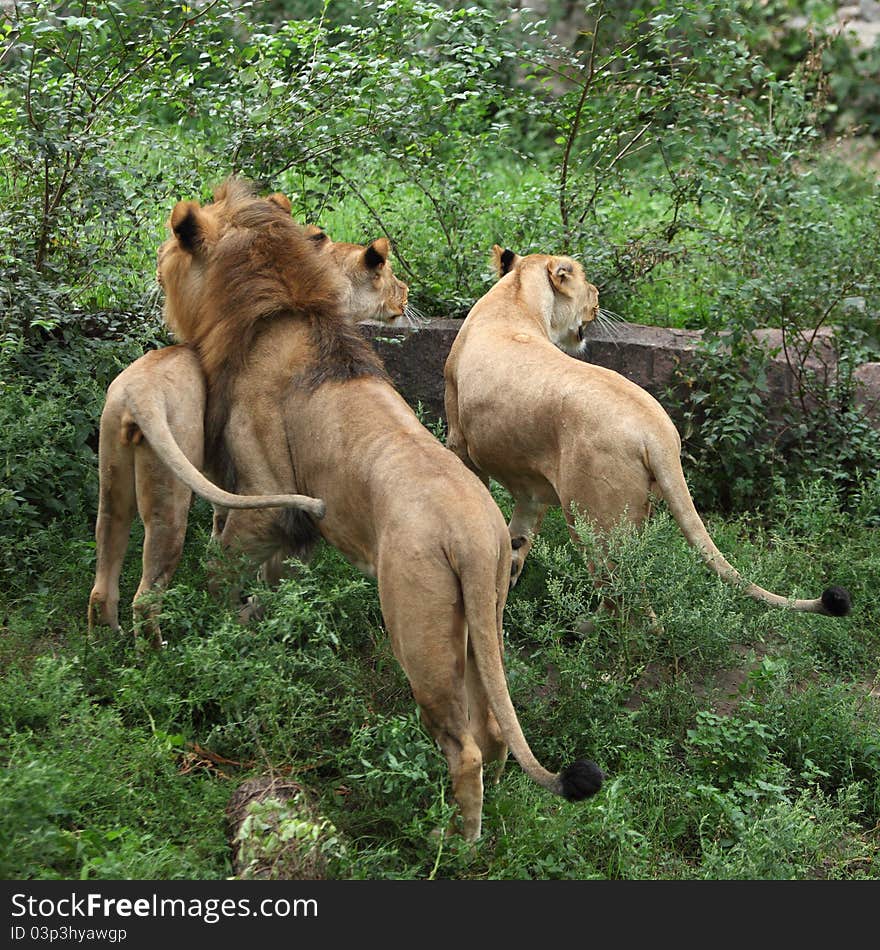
[(297, 399), (162, 396), (555, 430)]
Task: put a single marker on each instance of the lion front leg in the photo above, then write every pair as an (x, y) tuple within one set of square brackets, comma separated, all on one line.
[(525, 523)]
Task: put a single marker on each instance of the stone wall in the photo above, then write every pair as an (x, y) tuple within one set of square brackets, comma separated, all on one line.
[(646, 355)]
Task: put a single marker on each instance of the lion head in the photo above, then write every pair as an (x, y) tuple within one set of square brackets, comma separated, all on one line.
[(230, 265), (570, 300), (374, 292)]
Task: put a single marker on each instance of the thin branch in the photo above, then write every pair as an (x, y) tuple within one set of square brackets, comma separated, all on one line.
[(597, 184), (449, 242), (317, 39), (377, 217), (328, 148), (628, 147), (28, 101), (626, 150), (573, 131), (845, 289), (13, 39), (43, 239), (798, 364)]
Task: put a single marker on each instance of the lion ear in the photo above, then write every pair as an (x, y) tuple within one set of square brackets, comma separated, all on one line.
[(188, 225), (377, 253), (283, 202), (315, 234), (561, 273), (504, 259)]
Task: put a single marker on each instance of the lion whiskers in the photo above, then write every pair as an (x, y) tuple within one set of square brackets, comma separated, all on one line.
[(611, 316), (414, 317), (610, 321)]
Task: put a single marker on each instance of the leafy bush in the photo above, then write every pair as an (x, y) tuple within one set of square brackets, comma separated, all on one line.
[(729, 749), (283, 839), (49, 407)]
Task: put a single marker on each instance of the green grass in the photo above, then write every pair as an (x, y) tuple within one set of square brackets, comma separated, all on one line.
[(739, 742)]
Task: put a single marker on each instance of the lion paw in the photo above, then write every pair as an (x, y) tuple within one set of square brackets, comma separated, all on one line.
[(518, 560)]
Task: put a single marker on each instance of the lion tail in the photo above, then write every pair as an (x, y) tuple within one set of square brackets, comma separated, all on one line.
[(577, 781), (149, 415), (667, 472)]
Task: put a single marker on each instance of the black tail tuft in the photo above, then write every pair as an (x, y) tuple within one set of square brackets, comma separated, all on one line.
[(837, 601), (581, 780)]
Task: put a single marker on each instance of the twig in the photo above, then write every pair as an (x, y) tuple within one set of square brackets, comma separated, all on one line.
[(317, 39), (573, 131), (627, 148), (438, 211), (377, 217), (13, 39)]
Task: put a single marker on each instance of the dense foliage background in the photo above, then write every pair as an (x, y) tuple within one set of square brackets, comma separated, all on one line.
[(702, 161)]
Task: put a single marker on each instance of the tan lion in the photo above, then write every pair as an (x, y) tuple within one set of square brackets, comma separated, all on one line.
[(163, 392), (310, 408), (555, 430)]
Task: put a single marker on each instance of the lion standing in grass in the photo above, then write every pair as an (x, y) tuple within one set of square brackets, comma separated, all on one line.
[(163, 393), (559, 431), (298, 400)]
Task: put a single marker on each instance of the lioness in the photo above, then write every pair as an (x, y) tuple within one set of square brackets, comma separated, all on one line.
[(311, 407), (558, 431), (163, 392)]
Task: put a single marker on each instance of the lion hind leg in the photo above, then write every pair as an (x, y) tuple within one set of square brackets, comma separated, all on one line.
[(116, 510), (163, 547), (483, 724), (429, 640), (448, 724), (112, 532), (163, 502)]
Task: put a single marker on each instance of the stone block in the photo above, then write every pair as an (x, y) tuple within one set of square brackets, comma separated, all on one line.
[(649, 356)]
